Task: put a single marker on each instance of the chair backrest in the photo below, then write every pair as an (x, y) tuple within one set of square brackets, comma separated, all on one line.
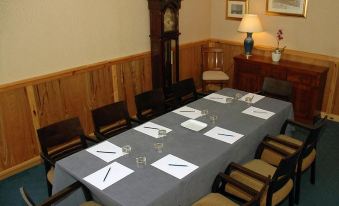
[(150, 104), (278, 89), (61, 133), (212, 58), (185, 91)]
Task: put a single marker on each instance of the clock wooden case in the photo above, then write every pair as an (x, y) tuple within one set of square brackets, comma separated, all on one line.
[(164, 36)]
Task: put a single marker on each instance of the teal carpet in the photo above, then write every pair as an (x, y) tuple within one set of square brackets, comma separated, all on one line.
[(324, 193)]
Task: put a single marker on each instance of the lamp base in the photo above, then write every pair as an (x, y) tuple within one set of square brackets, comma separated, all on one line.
[(248, 44)]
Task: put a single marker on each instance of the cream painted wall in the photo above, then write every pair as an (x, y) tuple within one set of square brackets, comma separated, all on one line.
[(316, 34), (43, 36)]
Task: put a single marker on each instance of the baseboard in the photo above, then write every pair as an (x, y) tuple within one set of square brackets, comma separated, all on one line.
[(20, 167), (332, 117)]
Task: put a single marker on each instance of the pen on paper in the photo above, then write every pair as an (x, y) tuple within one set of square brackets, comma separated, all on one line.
[(255, 111), (107, 174), (152, 128), (178, 165), (216, 98), (105, 152), (228, 135), (186, 111)]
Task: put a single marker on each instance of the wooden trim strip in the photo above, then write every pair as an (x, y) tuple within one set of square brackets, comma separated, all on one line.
[(20, 167)]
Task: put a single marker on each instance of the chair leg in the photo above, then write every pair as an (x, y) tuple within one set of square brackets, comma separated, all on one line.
[(313, 173), (297, 188), (291, 198), (49, 188)]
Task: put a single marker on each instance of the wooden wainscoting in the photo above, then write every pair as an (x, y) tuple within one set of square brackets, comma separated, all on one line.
[(28, 105)]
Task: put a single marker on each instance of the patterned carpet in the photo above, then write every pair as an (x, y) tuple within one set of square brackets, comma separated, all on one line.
[(325, 192)]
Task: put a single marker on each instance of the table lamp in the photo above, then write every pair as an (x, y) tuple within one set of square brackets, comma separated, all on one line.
[(250, 23)]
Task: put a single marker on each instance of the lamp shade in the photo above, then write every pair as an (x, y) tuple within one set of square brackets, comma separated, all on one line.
[(250, 23)]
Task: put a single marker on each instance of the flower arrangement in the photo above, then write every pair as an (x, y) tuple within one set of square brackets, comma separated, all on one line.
[(279, 38)]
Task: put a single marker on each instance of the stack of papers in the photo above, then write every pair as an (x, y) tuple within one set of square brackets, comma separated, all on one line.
[(224, 135), (257, 112), (217, 97), (188, 112), (175, 166), (255, 97), (151, 129), (106, 151), (108, 175)]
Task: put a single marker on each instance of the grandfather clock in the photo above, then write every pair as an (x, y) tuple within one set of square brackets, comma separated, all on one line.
[(164, 26)]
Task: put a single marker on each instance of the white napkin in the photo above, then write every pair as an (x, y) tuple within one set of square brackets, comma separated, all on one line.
[(256, 97), (217, 97), (194, 125), (188, 112), (257, 112), (224, 135), (151, 129), (108, 175), (106, 151), (179, 168)]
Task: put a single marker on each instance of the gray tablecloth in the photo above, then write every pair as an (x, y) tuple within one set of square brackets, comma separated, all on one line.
[(150, 186)]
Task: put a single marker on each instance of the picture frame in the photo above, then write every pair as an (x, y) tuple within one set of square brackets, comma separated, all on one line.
[(297, 8), (235, 9)]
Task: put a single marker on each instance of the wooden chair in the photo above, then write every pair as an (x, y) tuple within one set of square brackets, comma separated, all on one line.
[(281, 184), (219, 197), (110, 120), (60, 196), (278, 89), (185, 92), (150, 104), (212, 67), (308, 155), (57, 141)]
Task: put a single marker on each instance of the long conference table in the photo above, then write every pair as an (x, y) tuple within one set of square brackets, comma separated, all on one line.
[(151, 186)]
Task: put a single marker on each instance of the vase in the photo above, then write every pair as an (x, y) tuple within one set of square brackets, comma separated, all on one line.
[(276, 56)]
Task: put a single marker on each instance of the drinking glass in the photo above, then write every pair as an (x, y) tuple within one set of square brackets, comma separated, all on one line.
[(229, 100), (204, 112), (237, 96), (141, 161), (126, 150), (162, 133), (158, 146), (213, 118), (249, 100)]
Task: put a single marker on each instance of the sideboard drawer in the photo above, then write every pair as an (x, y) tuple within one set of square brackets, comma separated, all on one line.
[(302, 78)]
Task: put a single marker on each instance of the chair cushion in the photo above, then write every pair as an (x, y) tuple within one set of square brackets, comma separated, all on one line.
[(307, 161), (214, 199), (264, 169), (50, 175), (90, 203), (214, 75)]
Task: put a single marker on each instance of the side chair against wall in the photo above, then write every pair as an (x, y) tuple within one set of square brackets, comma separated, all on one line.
[(212, 64), (185, 92), (111, 120), (60, 196), (308, 155), (150, 104), (281, 184), (278, 89), (57, 141), (219, 197)]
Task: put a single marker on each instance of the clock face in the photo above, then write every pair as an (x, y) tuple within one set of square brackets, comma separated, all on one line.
[(169, 20)]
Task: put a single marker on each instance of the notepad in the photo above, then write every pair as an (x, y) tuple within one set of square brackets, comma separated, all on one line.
[(151, 129), (106, 151), (224, 135), (257, 112), (175, 166), (217, 97), (108, 175), (188, 112), (256, 97)]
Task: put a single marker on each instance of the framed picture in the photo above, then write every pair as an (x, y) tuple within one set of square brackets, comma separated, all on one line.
[(287, 7), (235, 9)]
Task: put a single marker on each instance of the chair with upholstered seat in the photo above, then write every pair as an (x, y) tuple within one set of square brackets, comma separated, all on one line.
[(212, 67), (111, 120), (57, 141), (219, 197), (308, 155), (278, 89), (281, 185), (150, 104), (60, 196)]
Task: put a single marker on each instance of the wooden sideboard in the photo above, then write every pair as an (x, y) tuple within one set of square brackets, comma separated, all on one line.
[(308, 81)]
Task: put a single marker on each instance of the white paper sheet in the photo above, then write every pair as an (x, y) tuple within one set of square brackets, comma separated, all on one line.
[(257, 112), (151, 129), (224, 135), (217, 97), (103, 149), (182, 169), (256, 97), (194, 125), (188, 112), (108, 175)]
